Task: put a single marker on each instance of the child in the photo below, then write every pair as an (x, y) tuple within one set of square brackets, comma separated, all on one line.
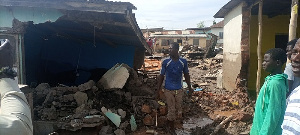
[(271, 102)]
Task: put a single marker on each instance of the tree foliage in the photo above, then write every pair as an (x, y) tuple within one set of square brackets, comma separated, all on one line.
[(201, 24)]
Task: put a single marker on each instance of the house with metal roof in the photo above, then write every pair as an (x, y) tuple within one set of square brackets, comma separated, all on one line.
[(241, 38)]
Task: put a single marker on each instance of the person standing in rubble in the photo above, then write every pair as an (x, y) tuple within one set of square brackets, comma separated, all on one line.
[(15, 114), (172, 70), (271, 101)]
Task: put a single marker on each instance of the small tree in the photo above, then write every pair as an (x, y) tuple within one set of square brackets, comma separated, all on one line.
[(214, 22), (201, 24)]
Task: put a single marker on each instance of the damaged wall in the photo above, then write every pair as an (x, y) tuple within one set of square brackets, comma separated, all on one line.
[(37, 15), (72, 46), (58, 57), (232, 47)]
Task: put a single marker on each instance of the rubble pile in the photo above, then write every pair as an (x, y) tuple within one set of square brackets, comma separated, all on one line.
[(119, 100), (216, 103), (192, 52), (152, 66)]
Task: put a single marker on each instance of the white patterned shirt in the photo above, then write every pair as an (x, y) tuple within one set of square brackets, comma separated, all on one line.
[(291, 122)]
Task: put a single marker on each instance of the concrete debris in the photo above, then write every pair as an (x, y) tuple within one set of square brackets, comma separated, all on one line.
[(119, 132), (106, 130), (122, 113), (114, 78), (86, 86), (81, 98), (124, 125)]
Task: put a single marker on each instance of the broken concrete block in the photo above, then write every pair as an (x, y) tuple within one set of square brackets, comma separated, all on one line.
[(146, 109), (119, 132), (122, 113), (81, 98), (116, 77), (80, 109), (105, 130), (86, 86), (49, 113), (148, 120), (124, 125), (93, 119), (104, 110), (43, 87)]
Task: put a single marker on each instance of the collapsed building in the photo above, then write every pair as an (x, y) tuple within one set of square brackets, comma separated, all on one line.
[(70, 40), (63, 48)]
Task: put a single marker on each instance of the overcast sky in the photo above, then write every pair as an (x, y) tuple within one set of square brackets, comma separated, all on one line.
[(175, 14)]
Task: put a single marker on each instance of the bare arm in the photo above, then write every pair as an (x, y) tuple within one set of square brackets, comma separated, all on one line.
[(160, 80), (188, 81)]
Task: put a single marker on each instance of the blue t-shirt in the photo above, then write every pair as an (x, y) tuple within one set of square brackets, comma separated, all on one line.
[(173, 71)]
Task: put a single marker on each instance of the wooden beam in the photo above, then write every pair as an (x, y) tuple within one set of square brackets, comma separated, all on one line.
[(293, 20), (259, 57)]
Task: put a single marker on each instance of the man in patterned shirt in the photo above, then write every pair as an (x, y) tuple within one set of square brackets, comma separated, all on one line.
[(172, 70), (291, 122)]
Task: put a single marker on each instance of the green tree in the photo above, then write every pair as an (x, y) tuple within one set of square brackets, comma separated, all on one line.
[(201, 24), (214, 22)]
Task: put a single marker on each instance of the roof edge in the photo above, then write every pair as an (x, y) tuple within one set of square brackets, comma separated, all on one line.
[(227, 8)]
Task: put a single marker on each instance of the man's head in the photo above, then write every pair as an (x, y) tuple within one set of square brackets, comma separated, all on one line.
[(289, 47), (295, 58), (273, 60), (174, 48)]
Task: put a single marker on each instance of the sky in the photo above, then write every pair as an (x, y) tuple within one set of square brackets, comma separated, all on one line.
[(175, 14)]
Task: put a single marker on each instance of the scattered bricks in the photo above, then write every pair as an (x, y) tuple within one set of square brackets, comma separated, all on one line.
[(86, 86), (81, 98), (162, 95), (49, 113), (146, 109), (162, 121), (163, 110), (148, 120)]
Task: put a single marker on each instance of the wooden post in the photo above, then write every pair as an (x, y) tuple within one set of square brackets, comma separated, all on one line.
[(293, 20), (259, 57)]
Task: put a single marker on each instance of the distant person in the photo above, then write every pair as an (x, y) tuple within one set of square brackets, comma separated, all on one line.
[(172, 70), (15, 114), (291, 122), (271, 102), (292, 80)]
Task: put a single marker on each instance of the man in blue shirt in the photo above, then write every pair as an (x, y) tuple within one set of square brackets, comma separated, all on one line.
[(172, 70)]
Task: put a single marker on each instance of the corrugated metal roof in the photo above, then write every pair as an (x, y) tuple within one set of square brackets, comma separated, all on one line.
[(227, 8)]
